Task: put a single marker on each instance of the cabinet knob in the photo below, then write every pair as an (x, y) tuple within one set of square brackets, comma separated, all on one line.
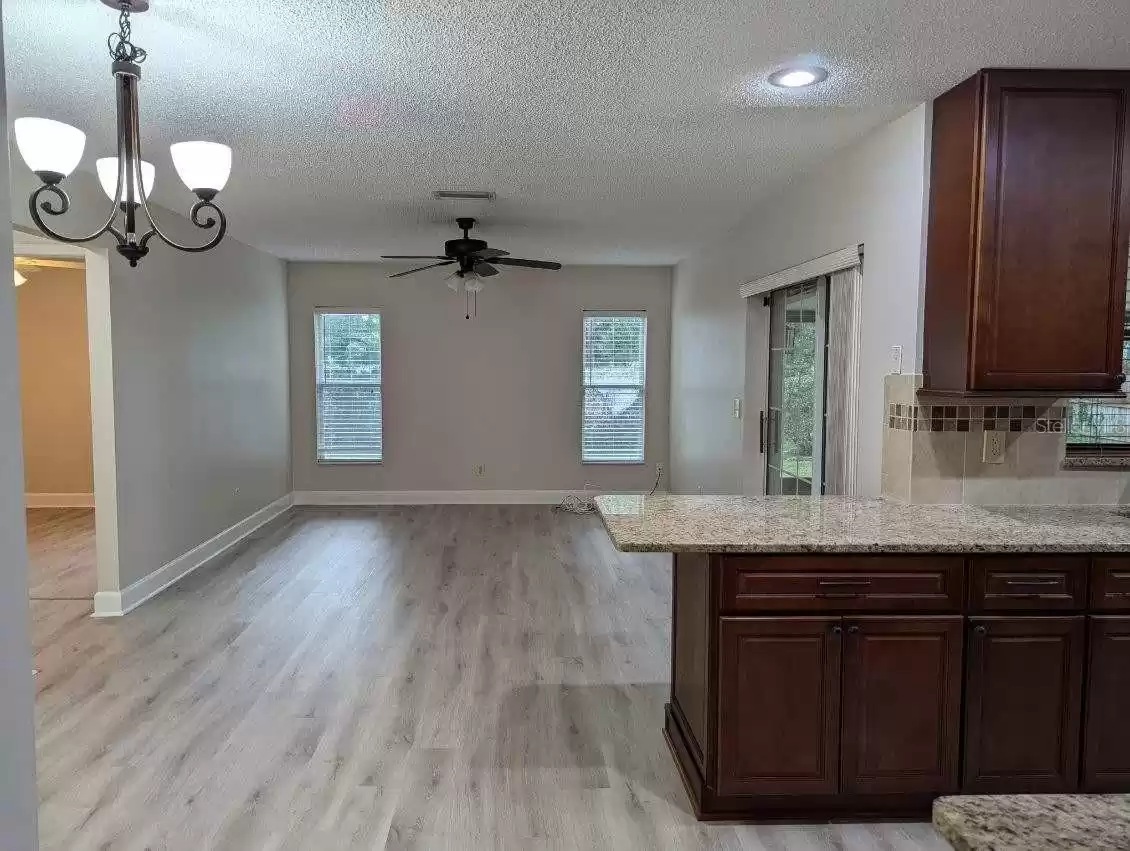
[(980, 629), (853, 629), (837, 629)]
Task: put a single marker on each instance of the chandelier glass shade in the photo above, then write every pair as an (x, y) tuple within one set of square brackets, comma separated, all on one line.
[(53, 150)]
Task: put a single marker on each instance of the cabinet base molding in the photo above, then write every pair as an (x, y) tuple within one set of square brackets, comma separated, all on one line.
[(802, 809)]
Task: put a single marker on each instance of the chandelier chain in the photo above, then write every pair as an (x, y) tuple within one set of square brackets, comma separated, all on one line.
[(121, 48)]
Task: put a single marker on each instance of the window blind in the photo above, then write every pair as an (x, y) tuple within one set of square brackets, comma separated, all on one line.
[(347, 351), (614, 379)]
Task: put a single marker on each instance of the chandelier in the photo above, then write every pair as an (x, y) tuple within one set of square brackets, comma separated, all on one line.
[(52, 150)]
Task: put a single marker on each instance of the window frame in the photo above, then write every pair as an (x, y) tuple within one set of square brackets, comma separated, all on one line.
[(1112, 449), (642, 387), (320, 311)]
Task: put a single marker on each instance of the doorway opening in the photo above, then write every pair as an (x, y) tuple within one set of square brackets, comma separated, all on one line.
[(66, 408), (56, 418), (794, 417)]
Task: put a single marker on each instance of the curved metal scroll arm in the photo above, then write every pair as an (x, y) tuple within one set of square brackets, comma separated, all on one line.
[(194, 214), (35, 205)]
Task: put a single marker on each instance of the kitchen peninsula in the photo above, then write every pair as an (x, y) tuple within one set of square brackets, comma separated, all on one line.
[(836, 657)]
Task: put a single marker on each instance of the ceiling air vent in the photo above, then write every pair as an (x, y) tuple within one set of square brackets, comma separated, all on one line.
[(462, 195)]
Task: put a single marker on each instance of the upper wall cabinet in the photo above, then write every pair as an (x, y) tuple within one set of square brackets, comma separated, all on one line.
[(1029, 232)]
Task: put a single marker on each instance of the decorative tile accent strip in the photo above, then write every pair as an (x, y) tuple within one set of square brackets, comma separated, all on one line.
[(903, 417)]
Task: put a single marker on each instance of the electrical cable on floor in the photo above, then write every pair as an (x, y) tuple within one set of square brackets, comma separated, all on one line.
[(574, 504)]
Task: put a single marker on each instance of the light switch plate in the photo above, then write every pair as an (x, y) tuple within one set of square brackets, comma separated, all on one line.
[(992, 451), (896, 360)]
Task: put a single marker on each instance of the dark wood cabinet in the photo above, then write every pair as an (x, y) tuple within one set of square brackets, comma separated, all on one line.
[(1028, 235), (1024, 690), (858, 685), (891, 743), (778, 706), (1106, 733)]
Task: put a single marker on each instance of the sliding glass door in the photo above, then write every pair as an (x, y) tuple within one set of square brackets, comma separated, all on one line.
[(792, 428)]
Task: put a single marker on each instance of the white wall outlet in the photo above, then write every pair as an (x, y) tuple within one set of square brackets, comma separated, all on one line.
[(896, 360), (480, 469), (737, 407), (700, 489), (992, 452)]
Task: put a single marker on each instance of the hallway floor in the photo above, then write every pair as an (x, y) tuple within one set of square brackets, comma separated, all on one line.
[(462, 677), (60, 543)]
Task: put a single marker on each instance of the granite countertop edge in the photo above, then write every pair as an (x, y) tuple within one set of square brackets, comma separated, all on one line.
[(844, 525)]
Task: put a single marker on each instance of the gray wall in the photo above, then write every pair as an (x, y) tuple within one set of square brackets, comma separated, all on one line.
[(871, 193), (501, 390), (18, 798), (55, 382), (200, 384)]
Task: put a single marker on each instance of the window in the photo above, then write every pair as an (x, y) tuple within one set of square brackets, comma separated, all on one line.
[(614, 378), (1102, 426), (347, 353)]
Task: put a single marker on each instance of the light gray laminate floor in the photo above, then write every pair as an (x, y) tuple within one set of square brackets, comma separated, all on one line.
[(439, 677), (60, 544)]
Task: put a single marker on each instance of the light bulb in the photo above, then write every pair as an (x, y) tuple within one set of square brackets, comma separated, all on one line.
[(108, 177), (51, 149), (203, 166), (798, 78)]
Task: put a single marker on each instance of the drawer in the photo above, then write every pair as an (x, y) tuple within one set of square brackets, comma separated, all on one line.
[(1110, 583), (1028, 583), (842, 583)]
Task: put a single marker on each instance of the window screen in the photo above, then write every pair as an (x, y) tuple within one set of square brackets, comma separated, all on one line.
[(347, 352), (614, 378)]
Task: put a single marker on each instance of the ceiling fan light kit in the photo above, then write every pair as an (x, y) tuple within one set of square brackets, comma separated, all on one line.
[(53, 150), (476, 261)]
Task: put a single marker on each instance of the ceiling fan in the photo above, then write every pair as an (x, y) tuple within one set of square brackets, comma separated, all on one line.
[(476, 260)]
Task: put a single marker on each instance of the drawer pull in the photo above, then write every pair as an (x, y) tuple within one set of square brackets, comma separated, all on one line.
[(853, 630), (843, 587), (837, 629), (1043, 583), (981, 629)]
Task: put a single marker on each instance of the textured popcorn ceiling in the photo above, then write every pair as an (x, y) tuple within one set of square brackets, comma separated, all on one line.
[(613, 131)]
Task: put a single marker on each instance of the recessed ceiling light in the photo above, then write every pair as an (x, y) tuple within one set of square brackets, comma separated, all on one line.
[(798, 78)]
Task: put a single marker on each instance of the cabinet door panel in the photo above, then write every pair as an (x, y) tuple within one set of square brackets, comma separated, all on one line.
[(1051, 269), (1023, 696), (778, 706), (901, 704), (1106, 737)]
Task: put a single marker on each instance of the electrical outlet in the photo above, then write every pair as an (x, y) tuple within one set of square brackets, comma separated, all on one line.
[(659, 471), (737, 407), (480, 469), (700, 489), (992, 451)]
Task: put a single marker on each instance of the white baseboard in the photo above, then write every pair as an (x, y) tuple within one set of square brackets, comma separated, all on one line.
[(59, 500), (114, 604), (483, 497)]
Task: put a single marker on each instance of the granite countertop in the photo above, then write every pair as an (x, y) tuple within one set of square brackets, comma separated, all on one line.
[(838, 524), (1034, 822)]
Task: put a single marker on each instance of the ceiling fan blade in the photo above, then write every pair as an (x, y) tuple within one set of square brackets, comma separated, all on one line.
[(485, 270), (414, 257), (532, 264), (421, 269), (489, 253)]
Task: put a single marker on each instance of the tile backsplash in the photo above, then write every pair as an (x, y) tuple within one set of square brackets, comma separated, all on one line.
[(933, 451), (994, 417)]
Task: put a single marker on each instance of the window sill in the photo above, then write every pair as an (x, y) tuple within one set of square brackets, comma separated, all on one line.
[(1096, 462), (345, 462), (613, 463)]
